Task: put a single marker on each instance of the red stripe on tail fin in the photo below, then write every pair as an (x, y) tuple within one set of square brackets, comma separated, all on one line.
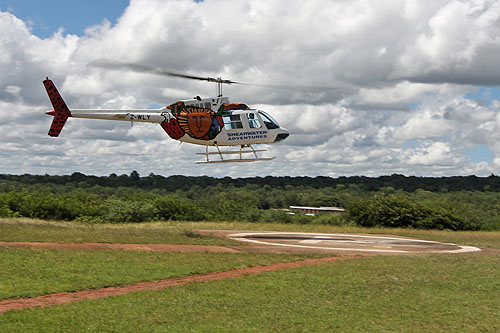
[(61, 113)]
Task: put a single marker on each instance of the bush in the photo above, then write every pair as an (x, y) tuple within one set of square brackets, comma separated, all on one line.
[(5, 211), (43, 205), (330, 219), (117, 211), (253, 214), (272, 215), (302, 219), (47, 205), (398, 211), (172, 208)]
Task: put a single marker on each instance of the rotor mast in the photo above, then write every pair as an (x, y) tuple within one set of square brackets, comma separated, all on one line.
[(219, 82), (218, 88)]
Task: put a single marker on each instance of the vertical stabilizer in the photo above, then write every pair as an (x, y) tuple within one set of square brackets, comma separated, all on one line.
[(61, 111)]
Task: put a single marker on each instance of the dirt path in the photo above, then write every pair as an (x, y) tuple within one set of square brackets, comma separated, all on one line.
[(127, 247), (70, 297)]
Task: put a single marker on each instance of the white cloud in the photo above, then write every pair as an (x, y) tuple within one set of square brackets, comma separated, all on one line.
[(402, 69), (14, 90), (432, 153), (425, 124), (458, 43)]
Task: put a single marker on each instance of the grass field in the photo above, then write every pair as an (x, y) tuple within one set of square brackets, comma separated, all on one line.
[(418, 293), (26, 230), (449, 293)]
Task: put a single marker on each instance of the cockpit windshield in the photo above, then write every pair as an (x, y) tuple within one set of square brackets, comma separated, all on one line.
[(268, 120)]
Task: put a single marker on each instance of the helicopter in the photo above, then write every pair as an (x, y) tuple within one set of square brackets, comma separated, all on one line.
[(210, 122)]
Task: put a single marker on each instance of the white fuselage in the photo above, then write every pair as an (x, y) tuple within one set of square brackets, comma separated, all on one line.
[(242, 127)]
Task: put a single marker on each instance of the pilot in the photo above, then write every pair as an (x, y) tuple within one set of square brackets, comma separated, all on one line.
[(252, 122)]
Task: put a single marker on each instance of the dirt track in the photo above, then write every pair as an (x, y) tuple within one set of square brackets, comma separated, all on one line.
[(126, 247), (65, 298)]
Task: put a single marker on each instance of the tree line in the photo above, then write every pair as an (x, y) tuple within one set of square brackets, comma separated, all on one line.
[(172, 183), (132, 198)]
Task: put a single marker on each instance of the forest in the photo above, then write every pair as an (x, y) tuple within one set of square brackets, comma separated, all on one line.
[(453, 203)]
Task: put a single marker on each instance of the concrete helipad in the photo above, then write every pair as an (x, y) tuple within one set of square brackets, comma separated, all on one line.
[(319, 242)]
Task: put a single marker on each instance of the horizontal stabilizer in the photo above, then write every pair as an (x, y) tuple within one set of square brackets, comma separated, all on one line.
[(61, 111)]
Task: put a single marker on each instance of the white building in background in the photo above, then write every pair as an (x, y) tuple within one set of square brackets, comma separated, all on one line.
[(315, 210)]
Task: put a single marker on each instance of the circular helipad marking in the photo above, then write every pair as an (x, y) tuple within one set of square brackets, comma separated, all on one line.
[(347, 242)]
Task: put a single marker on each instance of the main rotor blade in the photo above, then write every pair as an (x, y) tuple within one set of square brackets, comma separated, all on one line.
[(287, 86), (118, 65)]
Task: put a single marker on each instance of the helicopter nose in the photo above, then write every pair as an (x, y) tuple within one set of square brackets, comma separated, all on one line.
[(282, 135)]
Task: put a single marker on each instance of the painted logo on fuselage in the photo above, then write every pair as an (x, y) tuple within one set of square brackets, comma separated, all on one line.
[(199, 123), (196, 122)]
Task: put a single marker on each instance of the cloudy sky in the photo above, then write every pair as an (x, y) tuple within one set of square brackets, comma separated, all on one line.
[(418, 83)]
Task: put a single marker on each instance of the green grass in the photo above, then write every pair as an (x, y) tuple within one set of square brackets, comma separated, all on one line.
[(428, 293), (182, 232), (28, 230), (28, 272)]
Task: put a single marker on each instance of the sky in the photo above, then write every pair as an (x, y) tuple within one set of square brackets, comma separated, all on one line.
[(417, 83)]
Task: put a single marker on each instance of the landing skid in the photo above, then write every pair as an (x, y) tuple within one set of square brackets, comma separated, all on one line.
[(244, 149)]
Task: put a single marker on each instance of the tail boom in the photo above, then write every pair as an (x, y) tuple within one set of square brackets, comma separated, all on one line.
[(60, 112)]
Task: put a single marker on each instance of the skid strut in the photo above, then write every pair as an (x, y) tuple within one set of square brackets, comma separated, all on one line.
[(244, 149)]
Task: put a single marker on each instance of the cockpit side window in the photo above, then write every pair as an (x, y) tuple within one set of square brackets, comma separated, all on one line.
[(268, 120), (232, 122), (253, 121)]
